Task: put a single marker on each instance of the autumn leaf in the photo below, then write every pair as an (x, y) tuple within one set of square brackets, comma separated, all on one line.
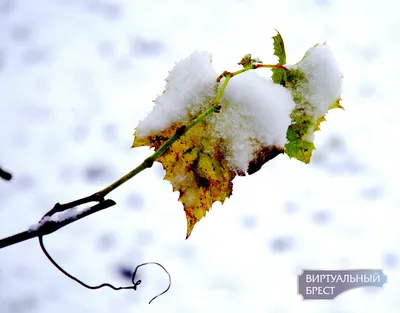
[(196, 167), (278, 74), (206, 131)]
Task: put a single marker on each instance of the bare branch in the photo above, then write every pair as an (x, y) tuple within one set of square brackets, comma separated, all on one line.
[(5, 175), (50, 226)]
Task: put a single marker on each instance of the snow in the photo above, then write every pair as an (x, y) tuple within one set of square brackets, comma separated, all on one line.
[(257, 113), (36, 226), (324, 79), (69, 214), (66, 215), (189, 84), (76, 105)]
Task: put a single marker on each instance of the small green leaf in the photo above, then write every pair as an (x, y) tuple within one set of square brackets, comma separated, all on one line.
[(248, 60), (306, 118), (300, 149), (303, 123), (279, 48), (278, 74)]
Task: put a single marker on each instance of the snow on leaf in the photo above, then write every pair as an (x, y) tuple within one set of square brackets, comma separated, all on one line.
[(278, 74), (196, 167), (256, 115), (315, 84), (189, 82), (249, 130)]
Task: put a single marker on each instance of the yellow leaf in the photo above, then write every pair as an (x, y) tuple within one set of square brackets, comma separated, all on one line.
[(196, 167)]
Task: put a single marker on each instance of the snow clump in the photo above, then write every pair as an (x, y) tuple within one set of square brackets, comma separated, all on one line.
[(321, 85)]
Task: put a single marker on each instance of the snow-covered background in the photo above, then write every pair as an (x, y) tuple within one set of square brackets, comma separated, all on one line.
[(76, 77)]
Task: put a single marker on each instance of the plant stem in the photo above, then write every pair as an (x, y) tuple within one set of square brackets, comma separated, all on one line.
[(5, 175), (52, 226), (248, 68), (147, 163)]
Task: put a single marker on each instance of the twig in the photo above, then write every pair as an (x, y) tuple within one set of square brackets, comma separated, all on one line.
[(50, 226), (5, 175)]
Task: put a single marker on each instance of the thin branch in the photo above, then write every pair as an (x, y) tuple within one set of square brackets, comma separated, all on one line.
[(252, 66), (50, 226), (5, 175)]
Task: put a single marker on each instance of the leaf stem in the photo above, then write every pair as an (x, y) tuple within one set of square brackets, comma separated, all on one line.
[(147, 163), (248, 68)]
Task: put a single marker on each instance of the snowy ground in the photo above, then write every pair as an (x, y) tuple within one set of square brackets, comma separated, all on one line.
[(76, 77)]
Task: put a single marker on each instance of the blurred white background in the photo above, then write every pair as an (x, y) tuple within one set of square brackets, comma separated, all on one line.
[(76, 77)]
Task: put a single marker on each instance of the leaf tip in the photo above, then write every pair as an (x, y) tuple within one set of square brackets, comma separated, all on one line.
[(337, 104), (190, 224)]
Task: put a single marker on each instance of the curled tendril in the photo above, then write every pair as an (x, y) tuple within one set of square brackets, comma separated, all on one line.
[(67, 206), (139, 281), (134, 283)]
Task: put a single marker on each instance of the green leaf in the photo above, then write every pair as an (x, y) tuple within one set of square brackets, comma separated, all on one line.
[(300, 149), (297, 145), (278, 74), (306, 119), (279, 48), (303, 123)]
